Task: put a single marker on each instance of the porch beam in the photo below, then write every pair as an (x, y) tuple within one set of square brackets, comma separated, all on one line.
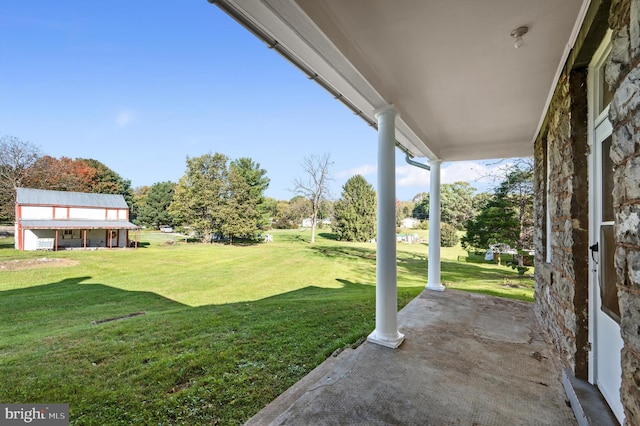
[(433, 279), (386, 331)]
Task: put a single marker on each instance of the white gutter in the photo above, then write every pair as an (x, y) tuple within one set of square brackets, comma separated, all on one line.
[(359, 96)]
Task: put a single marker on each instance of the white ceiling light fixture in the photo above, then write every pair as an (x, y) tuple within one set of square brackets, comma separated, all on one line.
[(517, 35)]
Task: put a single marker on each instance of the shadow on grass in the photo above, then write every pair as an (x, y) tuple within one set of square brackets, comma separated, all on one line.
[(70, 302), (453, 271), (345, 252), (328, 236), (142, 244), (177, 364), (245, 242), (6, 242)]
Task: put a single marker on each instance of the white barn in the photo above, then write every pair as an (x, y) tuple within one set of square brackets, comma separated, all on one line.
[(52, 220)]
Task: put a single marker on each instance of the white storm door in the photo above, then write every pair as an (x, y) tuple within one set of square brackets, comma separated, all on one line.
[(608, 342)]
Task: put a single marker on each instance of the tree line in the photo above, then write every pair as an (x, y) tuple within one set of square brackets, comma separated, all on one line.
[(23, 165), (219, 199)]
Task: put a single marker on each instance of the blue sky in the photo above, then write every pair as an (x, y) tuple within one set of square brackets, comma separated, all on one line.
[(140, 85)]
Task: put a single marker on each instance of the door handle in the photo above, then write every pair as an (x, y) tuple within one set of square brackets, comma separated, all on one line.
[(594, 249)]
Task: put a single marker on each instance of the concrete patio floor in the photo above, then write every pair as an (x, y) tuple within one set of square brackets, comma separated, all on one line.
[(468, 359)]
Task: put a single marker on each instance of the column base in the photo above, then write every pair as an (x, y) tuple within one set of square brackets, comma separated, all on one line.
[(435, 287), (392, 343)]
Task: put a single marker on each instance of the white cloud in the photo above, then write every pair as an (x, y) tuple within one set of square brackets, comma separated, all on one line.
[(123, 118), (482, 175), (412, 176), (364, 170), (465, 171), (479, 174)]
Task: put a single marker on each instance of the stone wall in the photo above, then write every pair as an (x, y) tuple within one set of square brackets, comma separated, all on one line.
[(623, 75), (562, 285)]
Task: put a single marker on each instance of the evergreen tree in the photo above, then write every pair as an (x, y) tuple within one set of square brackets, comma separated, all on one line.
[(153, 208), (257, 183), (355, 211)]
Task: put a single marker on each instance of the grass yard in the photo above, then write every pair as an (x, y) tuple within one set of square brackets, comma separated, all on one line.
[(225, 329)]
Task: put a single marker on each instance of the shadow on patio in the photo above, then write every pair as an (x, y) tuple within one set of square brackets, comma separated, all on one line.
[(468, 359)]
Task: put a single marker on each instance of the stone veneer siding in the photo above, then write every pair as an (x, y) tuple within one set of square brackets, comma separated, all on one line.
[(561, 285), (623, 74)]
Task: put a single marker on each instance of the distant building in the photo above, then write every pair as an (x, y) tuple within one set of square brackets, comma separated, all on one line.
[(307, 222), (410, 222), (52, 220)]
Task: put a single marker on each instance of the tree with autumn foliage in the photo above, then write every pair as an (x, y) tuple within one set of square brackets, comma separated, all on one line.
[(107, 181), (79, 175), (23, 166), (64, 174)]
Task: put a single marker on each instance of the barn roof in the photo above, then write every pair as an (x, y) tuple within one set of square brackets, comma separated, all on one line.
[(29, 196), (77, 224)]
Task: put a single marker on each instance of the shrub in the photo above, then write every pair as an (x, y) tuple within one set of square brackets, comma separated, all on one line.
[(448, 235)]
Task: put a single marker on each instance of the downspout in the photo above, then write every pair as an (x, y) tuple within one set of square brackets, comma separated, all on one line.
[(433, 282), (415, 163)]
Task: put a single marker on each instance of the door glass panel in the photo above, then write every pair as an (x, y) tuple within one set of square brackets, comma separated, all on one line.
[(607, 182), (606, 95), (608, 289)]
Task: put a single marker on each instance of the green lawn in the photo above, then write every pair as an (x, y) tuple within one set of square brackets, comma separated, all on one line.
[(226, 328)]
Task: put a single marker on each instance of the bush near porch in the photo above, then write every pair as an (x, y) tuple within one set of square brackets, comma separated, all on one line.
[(226, 328)]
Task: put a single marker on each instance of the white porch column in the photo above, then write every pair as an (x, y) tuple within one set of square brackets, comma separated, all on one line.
[(433, 281), (386, 332)]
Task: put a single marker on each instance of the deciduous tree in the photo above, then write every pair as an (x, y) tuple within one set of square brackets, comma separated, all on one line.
[(218, 199), (242, 219), (507, 218), (200, 195), (456, 204), (300, 208), (404, 209), (289, 214), (16, 159), (107, 181), (315, 185), (64, 174)]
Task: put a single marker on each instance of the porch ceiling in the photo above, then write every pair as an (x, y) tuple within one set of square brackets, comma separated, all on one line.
[(449, 66)]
